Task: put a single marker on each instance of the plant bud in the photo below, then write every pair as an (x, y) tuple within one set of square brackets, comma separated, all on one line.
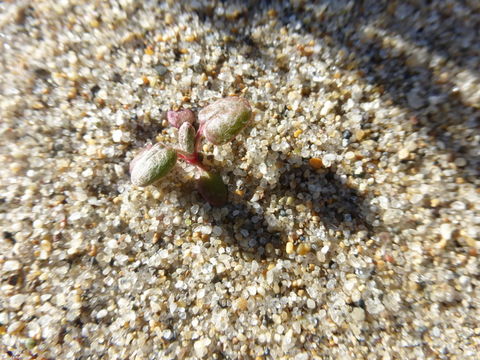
[(177, 118), (212, 188), (153, 163), (186, 138), (224, 119)]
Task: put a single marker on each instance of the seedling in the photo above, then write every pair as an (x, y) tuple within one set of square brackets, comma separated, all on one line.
[(219, 123)]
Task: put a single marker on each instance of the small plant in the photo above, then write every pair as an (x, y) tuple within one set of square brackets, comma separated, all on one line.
[(219, 123)]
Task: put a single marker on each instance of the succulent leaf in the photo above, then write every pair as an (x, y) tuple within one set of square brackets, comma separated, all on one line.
[(151, 164), (177, 118), (212, 188), (186, 138), (224, 119)]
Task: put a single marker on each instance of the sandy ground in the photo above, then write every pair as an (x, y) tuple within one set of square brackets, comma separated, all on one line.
[(352, 227)]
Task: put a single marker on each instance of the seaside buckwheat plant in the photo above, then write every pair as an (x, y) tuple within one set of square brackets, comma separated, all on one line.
[(219, 123)]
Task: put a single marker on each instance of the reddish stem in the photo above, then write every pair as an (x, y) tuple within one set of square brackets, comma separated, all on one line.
[(194, 159)]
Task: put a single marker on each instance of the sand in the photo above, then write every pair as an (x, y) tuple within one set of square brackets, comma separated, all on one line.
[(352, 225)]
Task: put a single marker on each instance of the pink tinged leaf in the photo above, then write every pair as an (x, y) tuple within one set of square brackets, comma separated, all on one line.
[(221, 121), (177, 118)]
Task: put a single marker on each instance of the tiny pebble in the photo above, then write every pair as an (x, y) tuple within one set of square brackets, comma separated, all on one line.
[(117, 135), (415, 100), (15, 327), (11, 265), (311, 304), (316, 163), (358, 314), (303, 249), (460, 162), (328, 159), (201, 347), (446, 231), (347, 134), (434, 202), (359, 134), (102, 313), (297, 133), (289, 248), (349, 155), (17, 300), (167, 334), (403, 154)]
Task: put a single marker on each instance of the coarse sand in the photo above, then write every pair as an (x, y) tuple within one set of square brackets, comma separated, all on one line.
[(352, 225)]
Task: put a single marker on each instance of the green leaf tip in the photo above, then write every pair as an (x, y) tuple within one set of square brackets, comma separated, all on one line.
[(212, 188)]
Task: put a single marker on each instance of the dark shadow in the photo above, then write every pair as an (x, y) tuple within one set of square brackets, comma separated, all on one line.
[(407, 20), (248, 230), (260, 234), (339, 206), (438, 104), (244, 227), (145, 130)]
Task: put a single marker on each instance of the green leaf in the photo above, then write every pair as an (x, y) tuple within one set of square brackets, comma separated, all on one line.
[(212, 188), (186, 138), (224, 119), (152, 164)]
